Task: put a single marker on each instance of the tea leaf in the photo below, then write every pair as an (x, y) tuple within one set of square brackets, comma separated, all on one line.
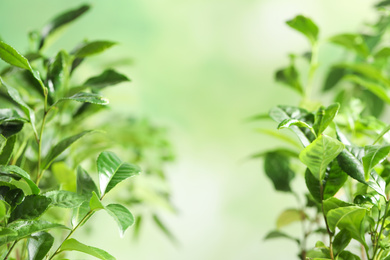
[(112, 171), (378, 90), (61, 147), (95, 203), (334, 76), (27, 228), (289, 122), (7, 150), (374, 154), (352, 42), (58, 74), (290, 77), (122, 216), (38, 245), (87, 97), (13, 57), (163, 228), (341, 241), (306, 26), (3, 142), (74, 245), (108, 78), (85, 184), (319, 154), (65, 199), (279, 234), (324, 117), (60, 21), (277, 168), (31, 208), (289, 216), (93, 48), (13, 169), (383, 53)]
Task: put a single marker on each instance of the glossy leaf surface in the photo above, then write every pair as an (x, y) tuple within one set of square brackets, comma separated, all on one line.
[(108, 78), (38, 245), (32, 207), (87, 97), (93, 48), (374, 154), (122, 216), (324, 117), (15, 170), (7, 150), (65, 199), (13, 57)]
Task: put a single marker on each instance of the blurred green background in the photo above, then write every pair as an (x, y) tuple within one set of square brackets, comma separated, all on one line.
[(199, 68)]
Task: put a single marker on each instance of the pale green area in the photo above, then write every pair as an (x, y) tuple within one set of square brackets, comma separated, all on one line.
[(199, 67)]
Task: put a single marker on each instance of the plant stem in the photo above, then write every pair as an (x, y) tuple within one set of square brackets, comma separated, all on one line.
[(312, 69), (380, 231), (326, 222), (71, 233), (10, 250), (40, 173)]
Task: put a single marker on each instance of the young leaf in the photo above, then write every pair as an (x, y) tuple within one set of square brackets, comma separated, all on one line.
[(31, 208), (14, 94), (58, 74), (60, 21), (74, 245), (61, 147), (27, 228), (87, 97), (93, 48), (95, 203), (112, 171), (85, 184), (277, 168), (347, 218), (13, 57), (374, 154), (108, 78), (122, 216), (324, 117), (279, 234), (65, 199), (319, 154), (290, 77), (13, 169), (7, 150), (306, 26), (290, 122), (352, 42), (289, 216), (38, 245)]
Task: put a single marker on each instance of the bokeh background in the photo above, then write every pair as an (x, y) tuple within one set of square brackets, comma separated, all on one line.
[(198, 68)]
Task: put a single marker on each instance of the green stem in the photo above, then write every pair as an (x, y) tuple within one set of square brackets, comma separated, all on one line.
[(380, 231), (326, 222), (71, 233), (10, 250), (40, 172), (312, 70)]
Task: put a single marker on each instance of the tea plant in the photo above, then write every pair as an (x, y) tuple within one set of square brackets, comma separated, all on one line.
[(45, 193), (343, 148)]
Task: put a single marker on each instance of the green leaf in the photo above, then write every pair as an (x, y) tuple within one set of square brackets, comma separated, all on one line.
[(290, 122), (60, 21), (287, 152), (10, 122), (374, 154), (13, 57), (279, 136), (112, 171), (38, 245), (365, 70), (27, 228), (279, 234), (277, 168), (7, 232), (383, 53), (281, 113), (319, 154), (13, 169), (31, 208), (95, 203), (65, 199), (65, 176), (347, 218), (346, 255), (334, 76), (3, 142), (324, 117), (61, 147), (341, 241), (14, 94), (306, 26), (108, 78), (93, 48), (122, 216), (381, 134), (381, 92), (289, 216), (290, 77), (74, 245), (353, 42), (350, 162), (86, 97), (163, 228), (85, 184), (58, 74), (4, 212), (7, 151)]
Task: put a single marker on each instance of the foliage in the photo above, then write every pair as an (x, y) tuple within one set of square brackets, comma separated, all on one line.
[(344, 154), (45, 193)]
